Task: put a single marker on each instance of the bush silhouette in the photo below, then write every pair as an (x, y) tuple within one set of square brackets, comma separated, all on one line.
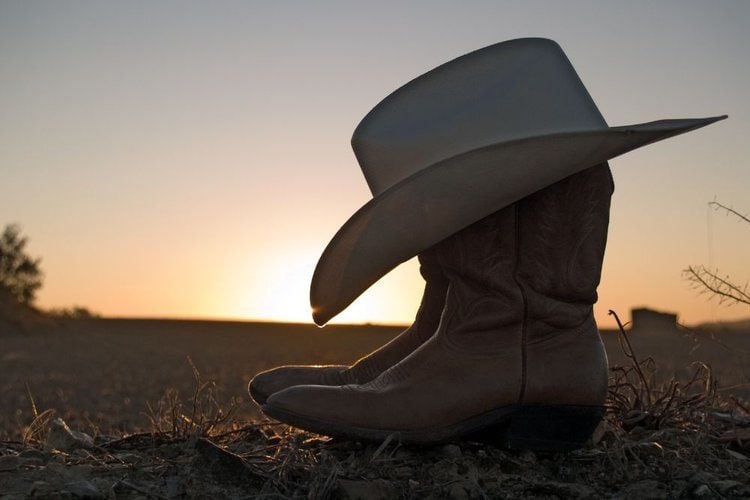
[(20, 274)]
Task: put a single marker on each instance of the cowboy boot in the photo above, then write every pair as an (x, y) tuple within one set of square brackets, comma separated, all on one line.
[(517, 350), (367, 368)]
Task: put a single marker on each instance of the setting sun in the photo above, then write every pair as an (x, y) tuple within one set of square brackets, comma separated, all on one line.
[(277, 288), (280, 284)]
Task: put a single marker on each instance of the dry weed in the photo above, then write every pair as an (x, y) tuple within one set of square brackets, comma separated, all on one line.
[(201, 416), (637, 399), (35, 433)]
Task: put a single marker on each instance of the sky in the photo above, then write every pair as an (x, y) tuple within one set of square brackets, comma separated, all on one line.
[(192, 160)]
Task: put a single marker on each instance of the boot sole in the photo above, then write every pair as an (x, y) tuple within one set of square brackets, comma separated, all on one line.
[(520, 427)]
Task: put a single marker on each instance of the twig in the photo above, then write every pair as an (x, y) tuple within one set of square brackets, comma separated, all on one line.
[(716, 205), (711, 282), (630, 354)]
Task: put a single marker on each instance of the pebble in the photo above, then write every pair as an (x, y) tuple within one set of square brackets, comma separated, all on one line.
[(34, 457), (43, 489), (528, 456), (379, 489), (702, 491), (106, 487), (56, 468), (647, 489), (175, 487), (84, 489), (726, 486), (570, 490), (10, 462), (457, 492), (702, 477), (81, 470), (565, 473), (169, 451), (62, 438), (404, 472), (452, 451)]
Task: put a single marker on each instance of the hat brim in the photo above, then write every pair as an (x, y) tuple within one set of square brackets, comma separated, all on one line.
[(445, 197)]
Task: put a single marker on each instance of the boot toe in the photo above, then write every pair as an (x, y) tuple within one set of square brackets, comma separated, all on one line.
[(266, 383), (313, 401), (314, 408)]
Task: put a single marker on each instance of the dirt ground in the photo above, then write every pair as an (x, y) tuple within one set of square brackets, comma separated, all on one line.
[(115, 380), (99, 374)]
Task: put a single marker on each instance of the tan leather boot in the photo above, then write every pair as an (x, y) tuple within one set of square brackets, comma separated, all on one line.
[(364, 370), (517, 353)]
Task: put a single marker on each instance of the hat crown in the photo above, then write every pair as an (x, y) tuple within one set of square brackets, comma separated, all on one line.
[(507, 91)]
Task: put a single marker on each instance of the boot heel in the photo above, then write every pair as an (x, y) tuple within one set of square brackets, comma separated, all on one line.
[(552, 427)]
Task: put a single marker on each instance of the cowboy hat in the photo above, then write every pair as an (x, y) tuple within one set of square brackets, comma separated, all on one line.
[(460, 142)]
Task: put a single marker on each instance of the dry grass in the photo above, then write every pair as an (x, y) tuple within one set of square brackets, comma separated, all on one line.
[(35, 432), (637, 399), (200, 416)]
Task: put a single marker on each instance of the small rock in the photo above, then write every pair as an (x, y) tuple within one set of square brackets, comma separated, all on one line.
[(62, 438), (34, 457), (56, 468), (82, 471), (403, 472), (702, 491), (57, 456), (702, 477), (175, 487), (10, 462), (379, 489), (457, 492), (220, 460), (678, 488), (223, 464), (43, 489), (413, 484), (452, 451), (570, 490), (170, 451), (648, 489), (528, 456), (106, 487), (726, 486), (84, 489), (565, 473)]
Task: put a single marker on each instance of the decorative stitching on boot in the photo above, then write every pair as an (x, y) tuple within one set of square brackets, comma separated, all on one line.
[(524, 321)]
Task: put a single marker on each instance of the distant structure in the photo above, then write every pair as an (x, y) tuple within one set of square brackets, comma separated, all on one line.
[(648, 320)]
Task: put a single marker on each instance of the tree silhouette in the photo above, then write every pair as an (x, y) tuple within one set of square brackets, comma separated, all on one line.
[(19, 274)]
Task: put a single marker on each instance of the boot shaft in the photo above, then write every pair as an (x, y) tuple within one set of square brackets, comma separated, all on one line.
[(482, 297), (424, 326), (530, 269), (562, 235)]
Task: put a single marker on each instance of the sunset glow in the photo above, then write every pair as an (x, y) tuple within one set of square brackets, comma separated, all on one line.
[(171, 159)]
